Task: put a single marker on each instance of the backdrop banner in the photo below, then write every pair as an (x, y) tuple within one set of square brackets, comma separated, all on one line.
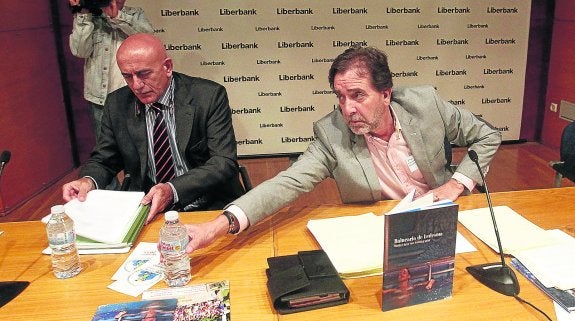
[(273, 57)]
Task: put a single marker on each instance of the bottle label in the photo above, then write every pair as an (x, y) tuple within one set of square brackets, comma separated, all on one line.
[(62, 238), (176, 246)]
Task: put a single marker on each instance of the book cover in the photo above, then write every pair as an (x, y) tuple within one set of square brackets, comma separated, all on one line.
[(565, 298), (163, 310), (201, 302), (419, 256)]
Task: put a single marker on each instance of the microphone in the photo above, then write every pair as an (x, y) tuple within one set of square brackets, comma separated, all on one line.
[(4, 159), (497, 276)]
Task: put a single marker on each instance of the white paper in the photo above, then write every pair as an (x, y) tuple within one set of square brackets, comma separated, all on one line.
[(143, 253), (552, 264), (187, 295), (546, 254), (516, 232), (562, 314), (116, 250), (352, 243), (141, 279), (105, 216)]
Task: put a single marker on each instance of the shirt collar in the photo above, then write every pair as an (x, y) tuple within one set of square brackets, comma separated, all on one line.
[(396, 124)]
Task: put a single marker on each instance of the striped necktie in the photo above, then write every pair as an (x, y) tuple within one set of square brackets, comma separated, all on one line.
[(162, 152)]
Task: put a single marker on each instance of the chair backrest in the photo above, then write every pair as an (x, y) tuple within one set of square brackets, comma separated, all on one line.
[(567, 147), (246, 181), (448, 154)]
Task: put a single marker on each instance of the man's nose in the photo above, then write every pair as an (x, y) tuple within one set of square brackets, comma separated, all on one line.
[(347, 107)]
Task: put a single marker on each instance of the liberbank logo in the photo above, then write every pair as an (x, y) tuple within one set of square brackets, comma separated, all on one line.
[(241, 78), (179, 13), (351, 43), (295, 44), (500, 41), (452, 42), (246, 110), (297, 139), (338, 10), (453, 10), (239, 45), (450, 72), (404, 10), (296, 77), (294, 11), (183, 47), (238, 12), (503, 10)]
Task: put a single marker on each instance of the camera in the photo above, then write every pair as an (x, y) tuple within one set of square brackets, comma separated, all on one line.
[(94, 6)]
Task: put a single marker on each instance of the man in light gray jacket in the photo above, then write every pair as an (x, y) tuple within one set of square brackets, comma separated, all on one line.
[(96, 35), (382, 143)]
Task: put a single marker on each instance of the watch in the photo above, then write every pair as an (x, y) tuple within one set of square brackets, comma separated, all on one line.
[(234, 226)]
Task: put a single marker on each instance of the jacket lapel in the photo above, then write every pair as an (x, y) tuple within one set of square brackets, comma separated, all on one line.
[(136, 124), (414, 137), (184, 111), (363, 156)]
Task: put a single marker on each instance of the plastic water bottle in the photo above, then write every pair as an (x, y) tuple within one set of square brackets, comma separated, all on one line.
[(173, 242), (62, 241)]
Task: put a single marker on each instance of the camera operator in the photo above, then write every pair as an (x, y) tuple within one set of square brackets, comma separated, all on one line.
[(99, 27)]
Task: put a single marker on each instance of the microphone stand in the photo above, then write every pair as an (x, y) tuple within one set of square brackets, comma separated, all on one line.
[(497, 276), (9, 289)]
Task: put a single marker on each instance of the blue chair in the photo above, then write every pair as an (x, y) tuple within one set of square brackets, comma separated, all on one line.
[(565, 167)]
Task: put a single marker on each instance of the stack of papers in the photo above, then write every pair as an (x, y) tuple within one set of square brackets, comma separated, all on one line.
[(547, 254), (355, 244), (107, 221)]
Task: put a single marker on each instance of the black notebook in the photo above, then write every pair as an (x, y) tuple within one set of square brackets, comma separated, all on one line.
[(304, 281)]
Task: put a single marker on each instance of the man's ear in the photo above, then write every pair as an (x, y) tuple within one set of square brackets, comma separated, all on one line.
[(387, 93), (168, 66)]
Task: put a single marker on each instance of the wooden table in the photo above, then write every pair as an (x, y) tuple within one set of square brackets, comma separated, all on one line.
[(242, 261)]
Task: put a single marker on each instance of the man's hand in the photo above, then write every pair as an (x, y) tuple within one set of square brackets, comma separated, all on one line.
[(161, 197), (204, 234), (77, 189), (111, 10), (450, 190)]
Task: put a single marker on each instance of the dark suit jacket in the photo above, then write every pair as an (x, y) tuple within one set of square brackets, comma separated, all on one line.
[(204, 134)]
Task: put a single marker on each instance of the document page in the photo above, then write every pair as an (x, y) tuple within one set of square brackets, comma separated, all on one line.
[(105, 216), (354, 244), (516, 232)]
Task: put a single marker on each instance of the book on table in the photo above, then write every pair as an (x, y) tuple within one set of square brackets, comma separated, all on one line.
[(542, 252), (419, 254), (138, 310), (207, 301), (107, 221)]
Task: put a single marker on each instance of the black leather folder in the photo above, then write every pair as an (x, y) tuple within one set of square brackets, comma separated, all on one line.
[(304, 281)]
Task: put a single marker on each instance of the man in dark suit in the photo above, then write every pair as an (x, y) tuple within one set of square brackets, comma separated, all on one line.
[(198, 169)]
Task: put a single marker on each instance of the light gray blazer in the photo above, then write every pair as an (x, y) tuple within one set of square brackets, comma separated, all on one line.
[(338, 153)]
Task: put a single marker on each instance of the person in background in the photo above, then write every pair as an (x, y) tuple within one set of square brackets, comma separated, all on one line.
[(170, 132), (381, 143), (97, 32)]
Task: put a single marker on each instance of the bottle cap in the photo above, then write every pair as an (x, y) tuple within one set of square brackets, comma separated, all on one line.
[(171, 216), (57, 209)]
